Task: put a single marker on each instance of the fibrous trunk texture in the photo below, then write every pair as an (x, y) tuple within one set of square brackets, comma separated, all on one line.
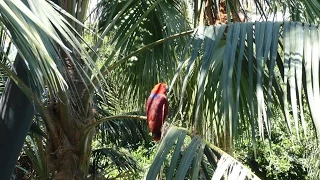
[(67, 154)]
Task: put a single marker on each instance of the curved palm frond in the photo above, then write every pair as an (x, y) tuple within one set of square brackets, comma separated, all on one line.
[(46, 38), (141, 24), (301, 11), (25, 29), (305, 11), (128, 133), (122, 132), (238, 75), (193, 158)]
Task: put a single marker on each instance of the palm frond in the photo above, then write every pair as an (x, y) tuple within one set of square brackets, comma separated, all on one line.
[(123, 132), (107, 160), (46, 37), (143, 23), (193, 158), (24, 29), (301, 11), (35, 151), (239, 74), (128, 133)]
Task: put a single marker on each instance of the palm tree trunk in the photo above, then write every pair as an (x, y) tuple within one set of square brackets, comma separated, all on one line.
[(69, 159), (17, 113), (215, 15)]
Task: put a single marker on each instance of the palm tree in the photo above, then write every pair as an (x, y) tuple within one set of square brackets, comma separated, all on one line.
[(212, 95)]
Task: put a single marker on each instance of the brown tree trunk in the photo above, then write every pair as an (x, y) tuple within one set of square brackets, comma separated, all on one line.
[(213, 15), (66, 160)]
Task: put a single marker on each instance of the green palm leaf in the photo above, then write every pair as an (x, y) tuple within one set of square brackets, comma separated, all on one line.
[(114, 160), (251, 81), (193, 158), (142, 23)]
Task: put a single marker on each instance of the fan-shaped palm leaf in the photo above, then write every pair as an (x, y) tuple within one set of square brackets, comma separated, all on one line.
[(238, 77), (142, 23)]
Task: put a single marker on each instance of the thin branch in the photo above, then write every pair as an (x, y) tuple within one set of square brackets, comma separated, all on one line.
[(144, 48), (89, 127)]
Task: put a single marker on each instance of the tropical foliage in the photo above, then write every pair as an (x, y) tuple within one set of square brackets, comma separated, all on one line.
[(79, 93)]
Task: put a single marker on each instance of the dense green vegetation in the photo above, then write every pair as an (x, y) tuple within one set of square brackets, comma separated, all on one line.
[(282, 157)]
